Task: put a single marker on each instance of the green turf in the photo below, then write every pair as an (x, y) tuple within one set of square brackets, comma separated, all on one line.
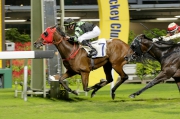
[(160, 102)]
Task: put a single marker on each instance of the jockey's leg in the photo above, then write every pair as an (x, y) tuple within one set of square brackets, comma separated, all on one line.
[(93, 50), (84, 39)]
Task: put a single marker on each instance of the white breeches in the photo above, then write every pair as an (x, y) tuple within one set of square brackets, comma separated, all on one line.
[(89, 35)]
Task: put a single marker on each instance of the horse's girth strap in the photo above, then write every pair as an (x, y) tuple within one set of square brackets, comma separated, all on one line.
[(92, 64)]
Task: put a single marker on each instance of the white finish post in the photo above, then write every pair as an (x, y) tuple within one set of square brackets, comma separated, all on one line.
[(16, 89), (63, 69), (44, 60), (25, 83)]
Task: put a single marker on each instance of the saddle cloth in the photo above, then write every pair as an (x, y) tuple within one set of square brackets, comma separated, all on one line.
[(99, 45)]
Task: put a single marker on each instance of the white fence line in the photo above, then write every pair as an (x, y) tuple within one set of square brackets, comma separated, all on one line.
[(26, 55)]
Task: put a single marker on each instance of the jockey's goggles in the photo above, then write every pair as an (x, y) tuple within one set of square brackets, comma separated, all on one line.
[(66, 25)]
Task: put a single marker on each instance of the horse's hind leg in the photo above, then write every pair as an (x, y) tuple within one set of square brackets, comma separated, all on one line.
[(124, 77), (177, 80), (107, 69)]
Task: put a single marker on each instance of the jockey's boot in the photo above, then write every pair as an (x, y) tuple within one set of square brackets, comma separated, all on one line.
[(93, 50)]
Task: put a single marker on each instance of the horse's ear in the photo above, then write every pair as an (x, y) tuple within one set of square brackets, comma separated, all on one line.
[(147, 37), (60, 29), (53, 26), (143, 35)]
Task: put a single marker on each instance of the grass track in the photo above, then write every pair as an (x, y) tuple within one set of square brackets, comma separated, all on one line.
[(160, 102)]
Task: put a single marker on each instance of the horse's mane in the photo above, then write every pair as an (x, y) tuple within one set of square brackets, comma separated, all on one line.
[(59, 29)]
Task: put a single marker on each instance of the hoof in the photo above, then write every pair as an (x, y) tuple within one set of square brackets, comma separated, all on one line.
[(132, 96), (75, 92), (102, 80), (88, 89), (113, 96), (93, 94)]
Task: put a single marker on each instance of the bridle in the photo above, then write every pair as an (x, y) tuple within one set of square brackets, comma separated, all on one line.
[(136, 47), (47, 36), (50, 40), (58, 42)]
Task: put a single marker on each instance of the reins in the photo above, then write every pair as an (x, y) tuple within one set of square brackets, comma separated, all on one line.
[(73, 53), (148, 49), (58, 41)]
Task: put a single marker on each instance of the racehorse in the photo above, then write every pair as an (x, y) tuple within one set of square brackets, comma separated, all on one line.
[(76, 61), (166, 52)]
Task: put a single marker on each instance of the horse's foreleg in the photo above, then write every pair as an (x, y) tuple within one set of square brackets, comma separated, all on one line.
[(161, 77), (85, 80), (177, 80), (64, 76), (149, 85)]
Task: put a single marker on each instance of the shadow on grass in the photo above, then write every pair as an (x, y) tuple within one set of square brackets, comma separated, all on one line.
[(70, 99), (147, 100)]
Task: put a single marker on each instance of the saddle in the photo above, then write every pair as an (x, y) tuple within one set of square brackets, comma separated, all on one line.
[(99, 45)]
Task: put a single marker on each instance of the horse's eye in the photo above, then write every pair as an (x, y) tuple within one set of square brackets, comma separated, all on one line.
[(133, 46), (45, 34)]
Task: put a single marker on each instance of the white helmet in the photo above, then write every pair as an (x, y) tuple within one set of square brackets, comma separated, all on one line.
[(172, 27)]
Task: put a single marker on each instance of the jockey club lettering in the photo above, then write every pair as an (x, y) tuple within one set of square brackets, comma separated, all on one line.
[(114, 15), (114, 19)]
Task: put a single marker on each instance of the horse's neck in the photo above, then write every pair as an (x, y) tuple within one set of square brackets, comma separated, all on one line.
[(64, 48), (156, 52)]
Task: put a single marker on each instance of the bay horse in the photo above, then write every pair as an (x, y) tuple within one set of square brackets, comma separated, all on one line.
[(167, 53), (76, 61)]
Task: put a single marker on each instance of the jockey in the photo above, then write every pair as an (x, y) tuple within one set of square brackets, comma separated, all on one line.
[(84, 32), (173, 32)]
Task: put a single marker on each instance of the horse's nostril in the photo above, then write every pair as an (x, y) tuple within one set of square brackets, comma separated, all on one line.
[(126, 58), (133, 56)]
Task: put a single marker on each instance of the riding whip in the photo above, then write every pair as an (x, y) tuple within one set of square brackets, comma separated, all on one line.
[(150, 30)]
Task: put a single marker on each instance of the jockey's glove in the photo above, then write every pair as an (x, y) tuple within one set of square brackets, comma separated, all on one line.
[(155, 39), (160, 38), (71, 39)]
